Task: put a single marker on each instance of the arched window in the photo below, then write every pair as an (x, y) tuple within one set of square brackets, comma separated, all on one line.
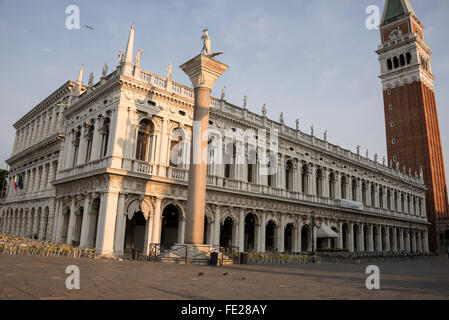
[(230, 154), (389, 64), (252, 165), (343, 187), (396, 201), (388, 199), (304, 179), (319, 182), (408, 204), (176, 147), (402, 203), (373, 196), (104, 131), (89, 137), (289, 175), (364, 192), (381, 197), (76, 146), (332, 185), (354, 190), (408, 57), (143, 139), (402, 58), (396, 62)]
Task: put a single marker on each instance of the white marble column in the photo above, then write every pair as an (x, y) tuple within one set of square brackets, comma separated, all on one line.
[(106, 222), (72, 218), (282, 234), (156, 236), (120, 228), (241, 230), (361, 247), (85, 226), (216, 241), (263, 229), (395, 240), (387, 240), (351, 237)]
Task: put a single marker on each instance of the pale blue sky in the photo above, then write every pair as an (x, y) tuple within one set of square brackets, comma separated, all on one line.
[(313, 60)]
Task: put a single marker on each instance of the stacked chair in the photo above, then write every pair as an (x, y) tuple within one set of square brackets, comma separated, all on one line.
[(11, 244)]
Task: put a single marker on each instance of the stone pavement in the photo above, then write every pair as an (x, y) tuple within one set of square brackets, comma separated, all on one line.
[(37, 277)]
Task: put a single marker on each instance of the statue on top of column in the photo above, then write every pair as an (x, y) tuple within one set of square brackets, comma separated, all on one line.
[(245, 101), (105, 70), (207, 51), (223, 93), (264, 110), (91, 79), (137, 58), (120, 57), (169, 71), (325, 135), (297, 124)]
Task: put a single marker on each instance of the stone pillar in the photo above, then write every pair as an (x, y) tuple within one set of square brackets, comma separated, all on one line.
[(263, 229), (241, 231), (51, 221), (340, 235), (395, 240), (72, 218), (156, 236), (401, 240), (282, 234), (407, 241), (106, 222), (299, 235), (96, 139), (42, 226), (361, 247), (351, 237), (202, 71), (120, 226), (60, 120), (413, 241), (68, 147), (85, 226), (216, 241), (426, 242), (419, 242), (387, 240)]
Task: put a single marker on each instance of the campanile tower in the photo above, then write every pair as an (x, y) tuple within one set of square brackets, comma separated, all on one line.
[(411, 120)]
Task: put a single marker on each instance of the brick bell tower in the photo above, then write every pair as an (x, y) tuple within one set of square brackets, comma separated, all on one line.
[(411, 120)]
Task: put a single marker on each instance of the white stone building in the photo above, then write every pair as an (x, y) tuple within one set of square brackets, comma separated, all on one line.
[(96, 169)]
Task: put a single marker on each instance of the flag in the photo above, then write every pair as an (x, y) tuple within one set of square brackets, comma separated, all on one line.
[(20, 183), (15, 181)]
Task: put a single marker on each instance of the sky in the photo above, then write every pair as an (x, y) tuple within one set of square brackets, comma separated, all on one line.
[(312, 60)]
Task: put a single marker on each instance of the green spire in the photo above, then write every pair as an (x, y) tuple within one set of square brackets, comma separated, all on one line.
[(396, 8)]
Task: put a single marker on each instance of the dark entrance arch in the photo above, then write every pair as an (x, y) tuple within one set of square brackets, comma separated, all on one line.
[(345, 231), (304, 238), (356, 231), (250, 224), (135, 233), (269, 236), (226, 233), (288, 238), (169, 228)]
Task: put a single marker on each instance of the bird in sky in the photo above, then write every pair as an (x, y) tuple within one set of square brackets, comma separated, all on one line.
[(88, 27)]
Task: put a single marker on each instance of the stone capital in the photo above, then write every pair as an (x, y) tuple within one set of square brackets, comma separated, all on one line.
[(203, 71)]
